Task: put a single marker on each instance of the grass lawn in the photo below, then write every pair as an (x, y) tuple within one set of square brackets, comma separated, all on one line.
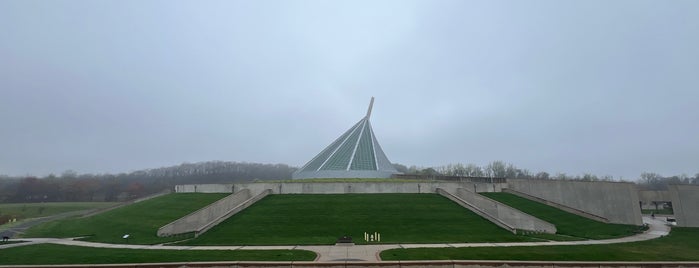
[(662, 211), (34, 210), (567, 224), (681, 245), (323, 218), (60, 254), (140, 220)]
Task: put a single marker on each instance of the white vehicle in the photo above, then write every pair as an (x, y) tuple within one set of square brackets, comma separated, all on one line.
[(671, 221)]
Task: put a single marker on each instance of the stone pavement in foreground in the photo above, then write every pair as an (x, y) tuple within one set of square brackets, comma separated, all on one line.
[(657, 228)]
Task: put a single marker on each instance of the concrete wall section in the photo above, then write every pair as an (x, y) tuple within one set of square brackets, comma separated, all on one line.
[(198, 220), (340, 187), (685, 204), (615, 201), (204, 188), (513, 217)]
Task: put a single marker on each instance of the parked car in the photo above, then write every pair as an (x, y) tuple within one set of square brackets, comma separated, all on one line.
[(671, 221)]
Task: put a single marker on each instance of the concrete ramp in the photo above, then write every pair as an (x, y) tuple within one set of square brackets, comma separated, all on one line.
[(203, 219), (502, 215)]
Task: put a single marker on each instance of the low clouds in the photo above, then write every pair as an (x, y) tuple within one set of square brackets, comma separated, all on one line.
[(582, 87)]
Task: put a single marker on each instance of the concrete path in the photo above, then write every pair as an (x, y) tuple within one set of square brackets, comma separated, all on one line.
[(657, 228)]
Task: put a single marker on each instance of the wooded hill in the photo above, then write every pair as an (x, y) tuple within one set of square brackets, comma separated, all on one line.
[(71, 186)]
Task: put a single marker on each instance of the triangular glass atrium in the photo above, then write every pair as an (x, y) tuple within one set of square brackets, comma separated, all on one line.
[(355, 154)]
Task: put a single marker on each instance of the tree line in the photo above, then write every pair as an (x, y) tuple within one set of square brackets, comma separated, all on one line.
[(71, 186), (501, 169), (654, 181)]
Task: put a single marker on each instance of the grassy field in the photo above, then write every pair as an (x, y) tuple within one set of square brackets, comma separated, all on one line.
[(60, 254), (681, 245), (34, 210), (567, 224), (140, 220), (321, 219)]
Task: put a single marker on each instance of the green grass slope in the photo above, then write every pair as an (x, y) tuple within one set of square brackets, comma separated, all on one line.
[(34, 210), (567, 224), (321, 219), (681, 245), (59, 254), (140, 220)]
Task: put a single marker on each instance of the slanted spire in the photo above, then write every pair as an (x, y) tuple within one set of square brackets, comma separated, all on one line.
[(355, 154)]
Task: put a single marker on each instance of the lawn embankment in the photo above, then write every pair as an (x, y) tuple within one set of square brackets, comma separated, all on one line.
[(20, 211), (140, 220), (681, 245), (567, 224), (323, 218), (60, 254)]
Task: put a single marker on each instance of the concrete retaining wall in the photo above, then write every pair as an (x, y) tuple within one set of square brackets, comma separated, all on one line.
[(511, 217), (204, 188), (615, 201), (340, 187), (685, 204), (201, 220)]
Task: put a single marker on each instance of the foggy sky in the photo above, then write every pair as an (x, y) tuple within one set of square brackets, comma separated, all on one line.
[(601, 87)]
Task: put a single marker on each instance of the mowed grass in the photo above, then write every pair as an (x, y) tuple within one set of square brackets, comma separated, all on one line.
[(60, 254), (681, 245), (323, 218), (567, 224), (35, 210), (140, 220)]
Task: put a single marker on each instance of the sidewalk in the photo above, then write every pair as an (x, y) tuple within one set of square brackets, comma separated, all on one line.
[(329, 253)]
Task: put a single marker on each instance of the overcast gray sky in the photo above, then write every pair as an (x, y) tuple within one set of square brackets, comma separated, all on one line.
[(601, 87)]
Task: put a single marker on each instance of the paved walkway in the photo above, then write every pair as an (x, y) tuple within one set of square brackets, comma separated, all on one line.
[(657, 228)]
